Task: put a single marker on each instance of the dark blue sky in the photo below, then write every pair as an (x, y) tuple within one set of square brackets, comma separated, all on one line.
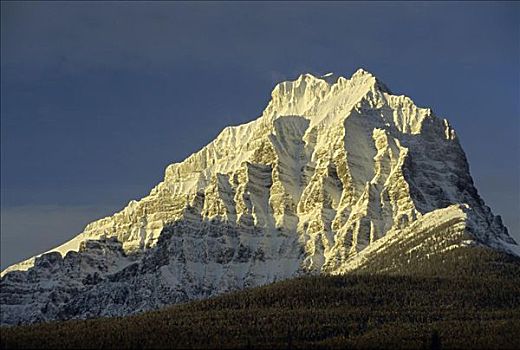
[(97, 98)]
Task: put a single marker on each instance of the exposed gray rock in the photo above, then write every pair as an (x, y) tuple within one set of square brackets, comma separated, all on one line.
[(334, 171)]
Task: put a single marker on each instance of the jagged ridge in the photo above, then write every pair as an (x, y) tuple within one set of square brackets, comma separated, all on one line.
[(331, 170)]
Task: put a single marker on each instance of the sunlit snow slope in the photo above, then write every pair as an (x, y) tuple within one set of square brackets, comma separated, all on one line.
[(334, 171)]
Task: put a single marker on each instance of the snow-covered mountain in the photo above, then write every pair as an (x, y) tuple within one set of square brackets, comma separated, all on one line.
[(334, 172)]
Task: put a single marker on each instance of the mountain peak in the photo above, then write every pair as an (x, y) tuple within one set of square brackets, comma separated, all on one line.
[(361, 72), (314, 86), (332, 171), (360, 75), (363, 75)]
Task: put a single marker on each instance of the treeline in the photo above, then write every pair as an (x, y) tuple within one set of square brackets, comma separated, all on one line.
[(410, 310), (473, 262)]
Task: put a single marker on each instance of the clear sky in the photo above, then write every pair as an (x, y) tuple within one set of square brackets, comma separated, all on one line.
[(97, 98)]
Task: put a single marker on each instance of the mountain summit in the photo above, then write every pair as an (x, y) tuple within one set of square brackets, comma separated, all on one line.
[(335, 173)]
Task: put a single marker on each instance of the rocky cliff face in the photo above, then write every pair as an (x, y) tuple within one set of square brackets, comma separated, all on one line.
[(334, 171)]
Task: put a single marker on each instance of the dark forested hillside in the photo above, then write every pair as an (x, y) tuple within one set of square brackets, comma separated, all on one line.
[(469, 299)]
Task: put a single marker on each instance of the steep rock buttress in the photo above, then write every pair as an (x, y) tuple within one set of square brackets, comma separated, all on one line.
[(331, 170)]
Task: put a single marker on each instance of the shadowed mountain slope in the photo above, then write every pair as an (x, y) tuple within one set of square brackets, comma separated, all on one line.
[(336, 175)]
